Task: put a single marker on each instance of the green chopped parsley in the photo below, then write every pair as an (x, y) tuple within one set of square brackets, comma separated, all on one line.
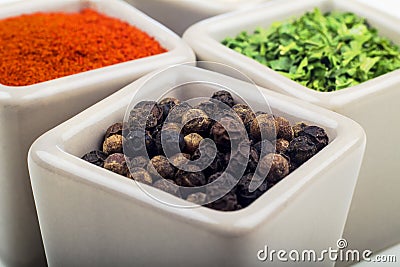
[(324, 52)]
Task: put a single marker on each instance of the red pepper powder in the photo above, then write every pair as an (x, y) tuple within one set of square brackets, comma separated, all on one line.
[(43, 46)]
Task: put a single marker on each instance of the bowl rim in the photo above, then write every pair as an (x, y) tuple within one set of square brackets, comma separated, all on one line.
[(47, 151), (199, 36), (175, 46), (216, 6)]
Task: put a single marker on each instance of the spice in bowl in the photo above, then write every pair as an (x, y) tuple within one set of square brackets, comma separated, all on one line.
[(275, 149), (44, 46), (324, 52)]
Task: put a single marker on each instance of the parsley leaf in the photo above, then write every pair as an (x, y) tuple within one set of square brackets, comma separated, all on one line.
[(324, 52)]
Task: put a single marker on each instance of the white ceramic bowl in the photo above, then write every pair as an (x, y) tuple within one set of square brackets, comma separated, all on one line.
[(29, 111), (374, 220), (92, 217), (390, 7), (179, 15)]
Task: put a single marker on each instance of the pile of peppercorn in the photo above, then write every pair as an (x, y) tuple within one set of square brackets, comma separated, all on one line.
[(136, 149)]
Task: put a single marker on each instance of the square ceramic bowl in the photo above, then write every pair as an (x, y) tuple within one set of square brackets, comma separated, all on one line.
[(373, 104), (92, 217), (28, 111), (390, 7), (179, 15)]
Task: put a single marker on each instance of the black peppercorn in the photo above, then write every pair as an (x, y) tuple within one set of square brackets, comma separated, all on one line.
[(151, 146), (171, 126), (276, 165), (116, 128), (210, 107), (175, 114), (298, 127), (247, 196), (301, 149), (225, 131), (138, 162), (146, 114), (137, 118), (316, 134), (139, 143), (166, 104), (265, 126), (95, 157), (224, 181), (146, 104), (180, 160), (218, 163), (224, 97), (245, 113), (281, 145), (155, 130), (221, 192), (265, 147), (220, 136), (279, 167), (168, 138), (113, 144), (170, 102), (192, 142), (142, 118), (284, 130), (151, 122), (239, 158), (228, 202), (198, 198), (253, 160), (140, 175), (261, 113), (168, 186), (192, 177), (214, 177), (160, 167), (153, 109), (196, 121), (116, 163), (292, 167), (201, 175)]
